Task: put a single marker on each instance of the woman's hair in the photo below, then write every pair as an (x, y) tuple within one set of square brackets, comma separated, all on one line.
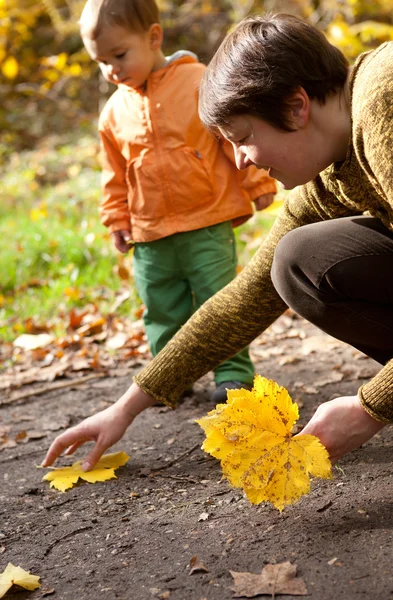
[(135, 15), (261, 63)]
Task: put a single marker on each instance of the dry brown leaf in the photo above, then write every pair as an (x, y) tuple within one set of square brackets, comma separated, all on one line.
[(272, 581), (334, 377), (319, 343), (117, 341), (32, 434), (7, 443), (4, 429), (197, 566), (156, 592), (203, 516), (92, 328)]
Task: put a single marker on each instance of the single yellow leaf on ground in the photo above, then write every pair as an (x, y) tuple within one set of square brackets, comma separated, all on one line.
[(64, 478), (18, 576), (251, 436)]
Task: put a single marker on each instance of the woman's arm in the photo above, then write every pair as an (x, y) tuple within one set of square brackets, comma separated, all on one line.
[(104, 428)]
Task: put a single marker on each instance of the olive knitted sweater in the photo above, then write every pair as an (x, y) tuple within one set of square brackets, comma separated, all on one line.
[(246, 307)]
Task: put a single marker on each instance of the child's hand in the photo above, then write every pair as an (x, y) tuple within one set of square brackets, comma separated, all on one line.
[(264, 201), (105, 428), (122, 240)]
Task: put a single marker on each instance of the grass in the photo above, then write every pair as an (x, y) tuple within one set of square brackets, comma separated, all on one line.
[(54, 253)]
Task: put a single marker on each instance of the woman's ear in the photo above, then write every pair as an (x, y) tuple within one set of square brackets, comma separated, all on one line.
[(156, 36), (299, 108)]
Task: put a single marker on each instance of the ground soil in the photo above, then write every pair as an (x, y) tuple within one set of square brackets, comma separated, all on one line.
[(135, 537)]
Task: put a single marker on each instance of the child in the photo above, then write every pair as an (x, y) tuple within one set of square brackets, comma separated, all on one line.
[(169, 188)]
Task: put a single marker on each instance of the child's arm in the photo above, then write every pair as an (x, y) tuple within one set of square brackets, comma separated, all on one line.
[(114, 209)]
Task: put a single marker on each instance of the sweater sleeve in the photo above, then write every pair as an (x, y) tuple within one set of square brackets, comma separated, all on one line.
[(114, 212), (233, 317), (375, 134)]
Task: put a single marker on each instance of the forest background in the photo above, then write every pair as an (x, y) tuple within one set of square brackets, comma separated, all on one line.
[(59, 276)]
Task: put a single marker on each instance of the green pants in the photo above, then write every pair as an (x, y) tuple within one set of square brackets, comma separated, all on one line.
[(175, 275)]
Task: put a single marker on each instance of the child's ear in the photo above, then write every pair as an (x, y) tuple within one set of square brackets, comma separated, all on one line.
[(299, 108), (156, 36)]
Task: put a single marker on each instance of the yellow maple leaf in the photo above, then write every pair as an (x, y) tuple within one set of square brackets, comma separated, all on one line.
[(251, 436), (64, 478), (18, 576)]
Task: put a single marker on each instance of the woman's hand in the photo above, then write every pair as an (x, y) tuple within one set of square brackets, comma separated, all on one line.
[(105, 428), (342, 425)]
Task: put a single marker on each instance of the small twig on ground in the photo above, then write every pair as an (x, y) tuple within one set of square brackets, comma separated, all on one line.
[(50, 506), (56, 386), (19, 456), (175, 460), (185, 478), (67, 535)]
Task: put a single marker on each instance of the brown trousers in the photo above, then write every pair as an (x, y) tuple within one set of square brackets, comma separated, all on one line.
[(338, 275)]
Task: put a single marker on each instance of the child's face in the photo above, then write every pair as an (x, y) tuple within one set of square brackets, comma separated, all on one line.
[(289, 157), (124, 57)]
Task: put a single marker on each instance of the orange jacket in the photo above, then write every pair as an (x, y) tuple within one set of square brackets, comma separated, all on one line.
[(162, 171)]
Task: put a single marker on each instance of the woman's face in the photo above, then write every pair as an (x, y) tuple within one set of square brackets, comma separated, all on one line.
[(289, 157)]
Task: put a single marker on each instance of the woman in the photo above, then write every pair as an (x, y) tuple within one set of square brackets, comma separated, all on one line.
[(288, 102)]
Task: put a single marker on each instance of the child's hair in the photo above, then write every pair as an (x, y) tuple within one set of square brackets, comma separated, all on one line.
[(261, 63), (134, 15)]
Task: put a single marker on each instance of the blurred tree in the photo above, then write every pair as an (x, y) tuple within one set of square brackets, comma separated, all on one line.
[(48, 83)]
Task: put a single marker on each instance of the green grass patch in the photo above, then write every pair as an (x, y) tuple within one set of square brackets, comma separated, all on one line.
[(54, 253)]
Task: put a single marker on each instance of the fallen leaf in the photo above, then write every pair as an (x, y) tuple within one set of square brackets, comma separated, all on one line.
[(197, 566), (121, 297), (32, 342), (31, 435), (17, 576), (92, 328), (251, 436), (273, 580), (47, 592), (318, 344), (203, 516), (64, 478), (334, 377), (117, 341)]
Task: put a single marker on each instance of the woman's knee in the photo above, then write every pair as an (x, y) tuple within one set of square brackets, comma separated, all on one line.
[(295, 259)]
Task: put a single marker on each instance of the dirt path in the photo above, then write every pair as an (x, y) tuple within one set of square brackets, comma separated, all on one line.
[(133, 538)]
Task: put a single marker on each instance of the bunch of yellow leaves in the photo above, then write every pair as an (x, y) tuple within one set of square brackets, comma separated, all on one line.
[(17, 576), (251, 436), (64, 478)]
